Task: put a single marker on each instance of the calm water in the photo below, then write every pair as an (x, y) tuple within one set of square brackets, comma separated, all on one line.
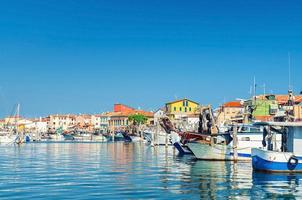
[(130, 171)]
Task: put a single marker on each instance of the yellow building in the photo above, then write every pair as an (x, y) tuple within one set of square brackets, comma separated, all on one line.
[(181, 108)]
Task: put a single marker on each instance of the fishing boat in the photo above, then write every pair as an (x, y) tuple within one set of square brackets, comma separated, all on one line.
[(270, 157), (234, 144), (131, 137), (116, 136), (8, 138), (98, 138), (179, 144), (156, 137)]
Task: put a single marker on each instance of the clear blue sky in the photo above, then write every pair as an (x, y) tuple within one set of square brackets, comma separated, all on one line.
[(76, 56)]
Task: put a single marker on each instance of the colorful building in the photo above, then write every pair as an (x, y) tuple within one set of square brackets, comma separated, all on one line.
[(232, 111), (181, 108), (118, 119)]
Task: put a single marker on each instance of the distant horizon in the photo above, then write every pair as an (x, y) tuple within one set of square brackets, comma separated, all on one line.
[(82, 57)]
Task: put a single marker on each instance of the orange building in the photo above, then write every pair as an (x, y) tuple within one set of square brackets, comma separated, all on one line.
[(118, 119), (230, 111)]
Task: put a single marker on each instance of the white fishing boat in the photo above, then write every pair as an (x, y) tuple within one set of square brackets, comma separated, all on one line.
[(157, 137), (270, 157), (222, 146), (99, 138), (8, 139)]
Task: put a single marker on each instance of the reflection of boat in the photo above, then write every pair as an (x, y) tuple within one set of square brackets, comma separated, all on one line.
[(286, 159), (277, 183)]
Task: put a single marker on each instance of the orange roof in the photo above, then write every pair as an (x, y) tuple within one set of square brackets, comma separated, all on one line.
[(126, 114), (232, 104), (281, 99), (264, 118)]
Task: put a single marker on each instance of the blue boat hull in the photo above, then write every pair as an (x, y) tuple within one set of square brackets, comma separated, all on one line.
[(182, 149), (270, 161)]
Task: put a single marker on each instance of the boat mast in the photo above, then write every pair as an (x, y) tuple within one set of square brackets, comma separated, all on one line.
[(289, 78), (17, 117)]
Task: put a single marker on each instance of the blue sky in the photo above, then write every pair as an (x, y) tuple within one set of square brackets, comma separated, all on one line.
[(77, 56)]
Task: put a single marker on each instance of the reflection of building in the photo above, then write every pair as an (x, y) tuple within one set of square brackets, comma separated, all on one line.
[(181, 108), (118, 119)]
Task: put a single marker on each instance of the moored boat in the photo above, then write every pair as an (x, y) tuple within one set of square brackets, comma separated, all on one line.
[(288, 158)]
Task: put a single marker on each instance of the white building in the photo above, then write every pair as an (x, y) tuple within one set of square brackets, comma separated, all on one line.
[(61, 121)]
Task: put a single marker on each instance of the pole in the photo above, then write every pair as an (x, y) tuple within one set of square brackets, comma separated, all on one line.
[(235, 143)]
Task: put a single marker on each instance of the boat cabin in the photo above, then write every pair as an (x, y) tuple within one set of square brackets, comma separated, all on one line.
[(291, 136)]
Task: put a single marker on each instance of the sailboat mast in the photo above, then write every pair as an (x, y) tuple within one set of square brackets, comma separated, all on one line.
[(17, 116)]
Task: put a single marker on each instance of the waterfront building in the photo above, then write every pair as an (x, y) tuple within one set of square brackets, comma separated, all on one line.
[(232, 111), (265, 107), (104, 122), (268, 107), (39, 125), (118, 119), (182, 108), (96, 121), (159, 114), (84, 122), (61, 121)]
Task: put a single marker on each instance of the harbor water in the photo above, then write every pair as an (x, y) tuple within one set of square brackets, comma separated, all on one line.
[(131, 171)]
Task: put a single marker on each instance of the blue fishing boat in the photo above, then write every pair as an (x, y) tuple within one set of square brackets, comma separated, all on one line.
[(288, 158)]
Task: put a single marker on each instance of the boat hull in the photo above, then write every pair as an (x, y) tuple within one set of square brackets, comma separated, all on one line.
[(271, 161), (157, 139), (204, 151), (182, 149)]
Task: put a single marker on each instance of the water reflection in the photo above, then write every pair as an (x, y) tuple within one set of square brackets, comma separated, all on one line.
[(128, 171), (277, 185)]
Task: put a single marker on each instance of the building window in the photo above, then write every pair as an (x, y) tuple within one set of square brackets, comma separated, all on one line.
[(184, 103), (180, 109), (190, 109), (174, 108), (185, 109), (187, 103)]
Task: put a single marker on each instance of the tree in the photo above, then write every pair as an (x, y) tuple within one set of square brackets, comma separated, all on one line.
[(138, 119)]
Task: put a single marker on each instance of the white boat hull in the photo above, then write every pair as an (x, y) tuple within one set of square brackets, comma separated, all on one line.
[(157, 139)]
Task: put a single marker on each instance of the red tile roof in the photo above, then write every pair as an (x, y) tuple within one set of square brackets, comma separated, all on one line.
[(282, 99), (233, 104)]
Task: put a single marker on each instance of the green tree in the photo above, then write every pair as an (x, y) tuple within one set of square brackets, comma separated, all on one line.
[(137, 119)]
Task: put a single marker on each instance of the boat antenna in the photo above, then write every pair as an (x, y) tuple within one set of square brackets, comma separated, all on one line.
[(254, 88), (289, 74)]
